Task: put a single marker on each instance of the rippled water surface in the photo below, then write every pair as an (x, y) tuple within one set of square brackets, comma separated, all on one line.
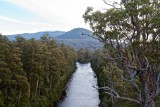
[(80, 90)]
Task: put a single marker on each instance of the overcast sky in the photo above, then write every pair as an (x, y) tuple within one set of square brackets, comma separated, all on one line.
[(25, 16)]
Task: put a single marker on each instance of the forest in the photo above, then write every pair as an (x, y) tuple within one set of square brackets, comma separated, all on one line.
[(33, 73)]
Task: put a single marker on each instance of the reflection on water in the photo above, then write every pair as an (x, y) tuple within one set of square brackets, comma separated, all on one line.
[(80, 90)]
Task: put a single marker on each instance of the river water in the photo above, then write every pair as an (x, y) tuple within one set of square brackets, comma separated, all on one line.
[(80, 90)]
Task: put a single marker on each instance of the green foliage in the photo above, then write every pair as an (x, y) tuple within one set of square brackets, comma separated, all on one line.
[(84, 55), (33, 73), (107, 73), (129, 70)]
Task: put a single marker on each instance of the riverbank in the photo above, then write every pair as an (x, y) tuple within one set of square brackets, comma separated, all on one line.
[(63, 92)]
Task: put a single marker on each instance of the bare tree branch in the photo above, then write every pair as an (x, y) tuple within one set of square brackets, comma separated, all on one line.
[(112, 4), (94, 37), (158, 84), (147, 64), (116, 95)]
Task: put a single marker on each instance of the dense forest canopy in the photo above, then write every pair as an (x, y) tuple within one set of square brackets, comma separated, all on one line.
[(131, 33), (33, 73)]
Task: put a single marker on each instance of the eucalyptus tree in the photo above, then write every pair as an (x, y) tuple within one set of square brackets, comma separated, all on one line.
[(20, 85), (131, 33), (5, 73)]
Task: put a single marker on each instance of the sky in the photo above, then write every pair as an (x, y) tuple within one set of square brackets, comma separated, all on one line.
[(28, 16)]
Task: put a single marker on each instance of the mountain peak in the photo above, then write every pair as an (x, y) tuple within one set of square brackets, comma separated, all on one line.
[(79, 28), (76, 33)]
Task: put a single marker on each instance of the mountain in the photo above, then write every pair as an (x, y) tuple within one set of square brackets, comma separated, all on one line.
[(76, 38), (77, 43), (77, 33), (36, 35)]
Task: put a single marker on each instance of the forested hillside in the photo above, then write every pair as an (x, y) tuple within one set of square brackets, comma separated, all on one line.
[(33, 73)]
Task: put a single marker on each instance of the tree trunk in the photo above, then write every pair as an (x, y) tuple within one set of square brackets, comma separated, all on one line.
[(150, 104), (37, 85)]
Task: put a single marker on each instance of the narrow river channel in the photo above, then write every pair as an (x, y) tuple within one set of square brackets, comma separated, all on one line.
[(80, 90)]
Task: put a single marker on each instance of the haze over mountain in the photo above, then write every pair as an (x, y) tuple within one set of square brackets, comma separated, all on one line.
[(76, 38)]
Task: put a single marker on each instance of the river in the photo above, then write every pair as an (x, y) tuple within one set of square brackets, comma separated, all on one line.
[(80, 90)]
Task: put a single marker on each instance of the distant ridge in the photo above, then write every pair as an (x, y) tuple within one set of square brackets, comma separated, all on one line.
[(76, 38), (36, 35)]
